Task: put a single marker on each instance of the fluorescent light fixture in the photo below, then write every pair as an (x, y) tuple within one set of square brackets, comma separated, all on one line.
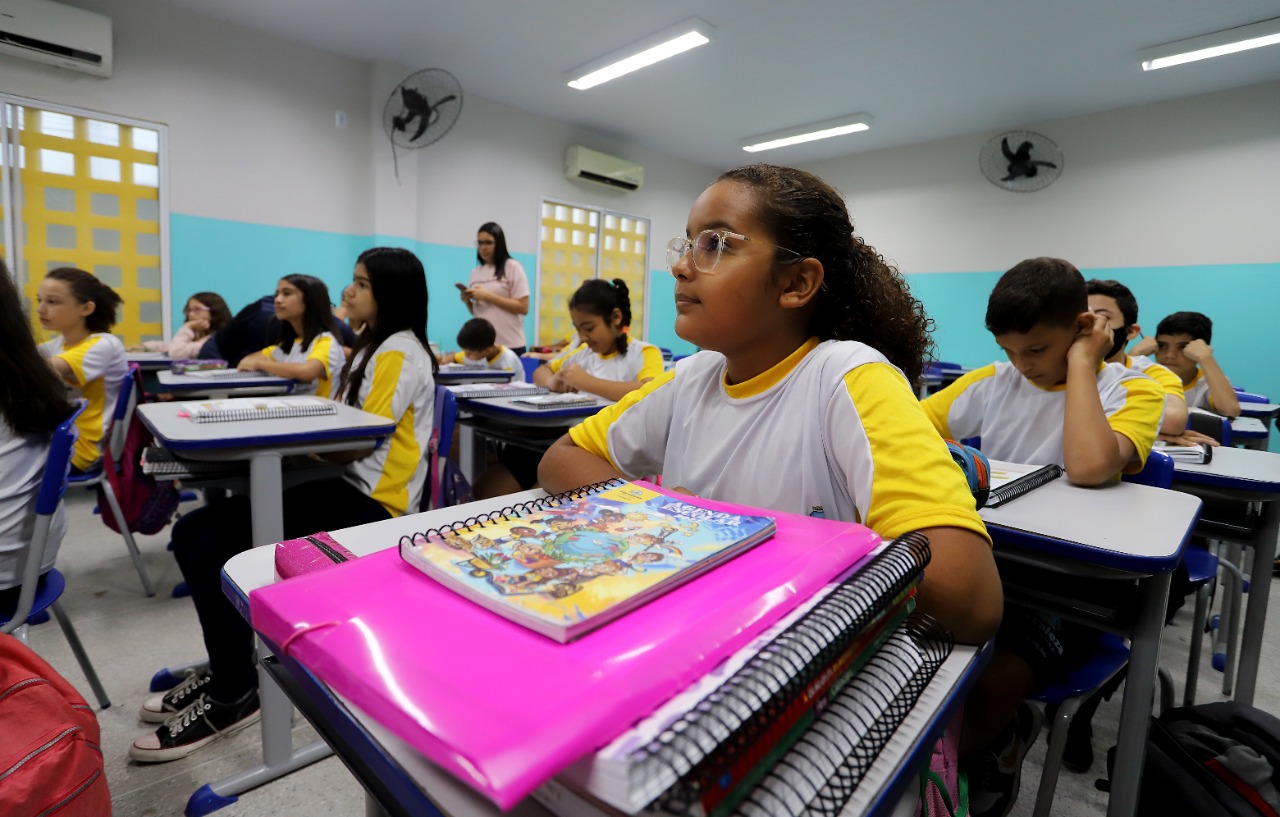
[(666, 43), (1243, 38), (839, 126)]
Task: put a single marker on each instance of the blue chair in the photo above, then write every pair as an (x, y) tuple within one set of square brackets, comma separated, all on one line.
[(1109, 656), (126, 402), (40, 593), (1250, 397), (443, 421), (530, 366)]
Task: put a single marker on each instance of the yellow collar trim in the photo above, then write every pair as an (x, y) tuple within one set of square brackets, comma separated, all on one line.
[(497, 354), (1192, 381), (771, 377)]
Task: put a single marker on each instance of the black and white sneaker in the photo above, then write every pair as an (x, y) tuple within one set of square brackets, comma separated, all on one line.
[(162, 707), (195, 727), (994, 781)]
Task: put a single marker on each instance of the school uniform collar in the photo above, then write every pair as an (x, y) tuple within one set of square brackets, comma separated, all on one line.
[(771, 377), (1063, 385), (497, 354)]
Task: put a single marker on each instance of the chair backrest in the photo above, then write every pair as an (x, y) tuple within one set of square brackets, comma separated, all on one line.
[(1210, 424), (1157, 472), (1249, 397), (122, 415), (446, 414), (530, 366), (53, 485)]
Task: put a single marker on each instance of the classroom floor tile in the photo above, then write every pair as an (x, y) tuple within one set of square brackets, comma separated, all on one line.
[(129, 637)]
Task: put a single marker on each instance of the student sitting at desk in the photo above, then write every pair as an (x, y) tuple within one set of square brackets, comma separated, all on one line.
[(479, 344), (308, 349), (1054, 401), (205, 313), (391, 373), (1115, 302), (82, 310), (1182, 344), (806, 399), (33, 401)]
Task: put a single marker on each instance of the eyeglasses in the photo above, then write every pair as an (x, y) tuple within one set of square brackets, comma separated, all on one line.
[(707, 247), (488, 243), (197, 308)]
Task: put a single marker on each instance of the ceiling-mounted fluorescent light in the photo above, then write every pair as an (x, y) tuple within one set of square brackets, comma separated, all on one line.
[(666, 43), (1243, 38), (839, 126)]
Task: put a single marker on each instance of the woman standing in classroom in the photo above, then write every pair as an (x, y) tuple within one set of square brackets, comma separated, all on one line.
[(498, 290)]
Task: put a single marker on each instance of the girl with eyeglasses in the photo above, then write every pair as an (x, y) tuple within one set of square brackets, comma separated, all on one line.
[(498, 290), (803, 397), (204, 314)]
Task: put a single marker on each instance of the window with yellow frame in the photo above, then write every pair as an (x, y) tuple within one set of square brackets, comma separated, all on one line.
[(84, 190), (577, 243)]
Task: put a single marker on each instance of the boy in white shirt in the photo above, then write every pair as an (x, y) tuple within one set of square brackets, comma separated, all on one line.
[(1182, 345), (478, 341)]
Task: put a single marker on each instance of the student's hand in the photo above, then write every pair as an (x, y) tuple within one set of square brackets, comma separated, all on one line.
[(1198, 351), (1146, 346), (200, 325), (573, 376), (137, 347), (1189, 437), (558, 384), (251, 363), (1092, 342)]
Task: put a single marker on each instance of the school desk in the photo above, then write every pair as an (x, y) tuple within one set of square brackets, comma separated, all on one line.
[(149, 361), (452, 374), (263, 443), (1260, 411), (1132, 533), (398, 780), (1248, 476), (226, 383), (1250, 432), (503, 418)]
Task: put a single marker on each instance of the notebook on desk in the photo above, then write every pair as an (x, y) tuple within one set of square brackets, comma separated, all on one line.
[(1010, 480), (257, 408)]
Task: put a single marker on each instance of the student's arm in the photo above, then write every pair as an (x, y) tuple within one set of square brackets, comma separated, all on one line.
[(304, 372), (63, 368), (1145, 347), (544, 377), (576, 378), (1092, 451), (1175, 415), (185, 344), (1221, 396), (566, 466), (961, 585)]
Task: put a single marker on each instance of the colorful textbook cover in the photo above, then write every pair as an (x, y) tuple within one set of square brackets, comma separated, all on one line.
[(567, 568)]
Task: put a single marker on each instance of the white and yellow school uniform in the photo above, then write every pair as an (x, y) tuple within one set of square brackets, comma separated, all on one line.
[(1020, 422), (1197, 392), (98, 366), (22, 461), (325, 348), (398, 385), (834, 424), (1168, 380), (641, 361), (504, 360)]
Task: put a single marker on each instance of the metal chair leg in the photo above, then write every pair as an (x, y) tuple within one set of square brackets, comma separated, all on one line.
[(138, 565), (1197, 641), (76, 647), (1053, 755)]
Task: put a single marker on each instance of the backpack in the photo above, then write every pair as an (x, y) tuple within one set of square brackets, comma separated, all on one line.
[(147, 505), (443, 472), (50, 755), (1213, 760)]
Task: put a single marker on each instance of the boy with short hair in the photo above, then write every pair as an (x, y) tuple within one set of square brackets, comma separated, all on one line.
[(1054, 401), (478, 341), (1182, 345), (1115, 302)]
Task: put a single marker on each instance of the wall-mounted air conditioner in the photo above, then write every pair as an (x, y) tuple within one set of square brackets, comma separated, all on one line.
[(593, 166), (59, 35)]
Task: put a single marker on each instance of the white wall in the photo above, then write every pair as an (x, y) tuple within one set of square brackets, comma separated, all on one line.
[(1194, 181)]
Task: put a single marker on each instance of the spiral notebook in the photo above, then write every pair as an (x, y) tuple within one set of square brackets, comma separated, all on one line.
[(257, 408), (1010, 480), (163, 463), (563, 566), (476, 391), (189, 366), (1198, 453), (555, 401), (705, 749)]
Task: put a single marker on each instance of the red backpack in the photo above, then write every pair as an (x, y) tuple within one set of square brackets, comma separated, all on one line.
[(50, 754), (147, 505)]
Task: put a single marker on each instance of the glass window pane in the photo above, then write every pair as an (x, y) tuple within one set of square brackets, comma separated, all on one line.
[(595, 219), (562, 213), (146, 175), (149, 312), (103, 169), (59, 199), (624, 245), (625, 225), (148, 209), (579, 215), (148, 244), (60, 236), (560, 235), (57, 161), (104, 133), (104, 204), (149, 278), (610, 222), (145, 139), (105, 240), (57, 124), (109, 274)]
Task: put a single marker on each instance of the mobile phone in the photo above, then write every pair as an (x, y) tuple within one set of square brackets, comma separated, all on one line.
[(462, 287)]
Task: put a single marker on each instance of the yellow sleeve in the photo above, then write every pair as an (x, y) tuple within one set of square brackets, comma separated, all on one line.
[(1139, 418), (651, 365), (1170, 382), (386, 374), (75, 359), (915, 482), (592, 434), (557, 362), (320, 349), (937, 406), (458, 357)]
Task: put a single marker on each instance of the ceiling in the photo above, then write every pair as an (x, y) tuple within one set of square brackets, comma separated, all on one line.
[(924, 69)]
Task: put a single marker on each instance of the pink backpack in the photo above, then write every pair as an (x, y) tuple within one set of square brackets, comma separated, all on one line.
[(944, 789), (147, 505)]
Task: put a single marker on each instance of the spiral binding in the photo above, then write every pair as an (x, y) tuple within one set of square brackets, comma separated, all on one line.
[(734, 719), (511, 511), (821, 771), (271, 413), (1023, 484)]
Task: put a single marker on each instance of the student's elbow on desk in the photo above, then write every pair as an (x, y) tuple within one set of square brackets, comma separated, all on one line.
[(566, 466), (1175, 415)]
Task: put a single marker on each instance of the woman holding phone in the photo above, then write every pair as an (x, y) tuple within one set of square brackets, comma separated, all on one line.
[(498, 290)]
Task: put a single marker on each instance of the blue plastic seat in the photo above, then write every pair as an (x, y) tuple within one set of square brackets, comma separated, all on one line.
[(531, 365), (42, 592), (443, 422)]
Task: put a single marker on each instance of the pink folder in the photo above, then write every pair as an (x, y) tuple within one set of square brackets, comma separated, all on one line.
[(504, 708)]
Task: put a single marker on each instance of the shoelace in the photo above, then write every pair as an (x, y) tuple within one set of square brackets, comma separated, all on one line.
[(188, 716), (193, 682)]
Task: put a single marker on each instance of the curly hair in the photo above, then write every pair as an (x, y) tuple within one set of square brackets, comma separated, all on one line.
[(863, 297), (86, 287)]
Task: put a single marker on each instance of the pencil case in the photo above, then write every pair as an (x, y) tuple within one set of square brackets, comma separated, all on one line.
[(307, 554), (184, 366)]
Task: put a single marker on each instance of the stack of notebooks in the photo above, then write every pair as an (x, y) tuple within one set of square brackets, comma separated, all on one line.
[(238, 409), (712, 636), (165, 465), (1198, 453), (555, 401), (476, 391)]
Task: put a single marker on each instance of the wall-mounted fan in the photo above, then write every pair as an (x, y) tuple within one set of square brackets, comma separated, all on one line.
[(1020, 161), (421, 109)]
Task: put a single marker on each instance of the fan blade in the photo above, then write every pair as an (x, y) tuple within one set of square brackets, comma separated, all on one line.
[(1004, 148), (1044, 164)]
